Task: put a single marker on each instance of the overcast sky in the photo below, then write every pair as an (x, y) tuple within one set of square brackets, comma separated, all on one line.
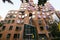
[(5, 7)]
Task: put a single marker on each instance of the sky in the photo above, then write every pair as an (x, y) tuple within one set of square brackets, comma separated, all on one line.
[(5, 7)]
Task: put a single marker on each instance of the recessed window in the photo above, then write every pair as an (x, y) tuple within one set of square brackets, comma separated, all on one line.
[(10, 27), (5, 20), (16, 35), (11, 16), (18, 28), (13, 21), (9, 21), (8, 35), (22, 12), (27, 1), (41, 28), (30, 14), (0, 35), (3, 27)]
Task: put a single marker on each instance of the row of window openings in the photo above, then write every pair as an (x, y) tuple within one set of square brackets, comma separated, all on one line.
[(33, 16), (22, 12), (9, 35), (17, 21), (11, 27), (30, 14), (10, 21)]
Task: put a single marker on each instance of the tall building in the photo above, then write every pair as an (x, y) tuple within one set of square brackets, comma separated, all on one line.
[(30, 22)]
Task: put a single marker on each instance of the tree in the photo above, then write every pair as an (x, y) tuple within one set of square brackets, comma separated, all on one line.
[(1, 24), (42, 2), (9, 1)]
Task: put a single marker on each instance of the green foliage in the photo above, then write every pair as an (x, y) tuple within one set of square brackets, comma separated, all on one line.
[(54, 31), (42, 2), (1, 24), (27, 0)]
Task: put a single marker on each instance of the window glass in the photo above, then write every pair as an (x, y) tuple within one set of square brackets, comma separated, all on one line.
[(13, 21), (18, 28), (0, 35), (3, 27), (16, 35), (11, 16), (41, 28), (10, 27), (29, 32), (30, 14), (9, 21), (8, 35), (22, 12)]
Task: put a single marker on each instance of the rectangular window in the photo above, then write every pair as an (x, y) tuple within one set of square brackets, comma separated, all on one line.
[(8, 35), (18, 28), (41, 28), (3, 27), (11, 16), (10, 27), (16, 35), (0, 35), (29, 32), (13, 21), (22, 12), (9, 21)]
